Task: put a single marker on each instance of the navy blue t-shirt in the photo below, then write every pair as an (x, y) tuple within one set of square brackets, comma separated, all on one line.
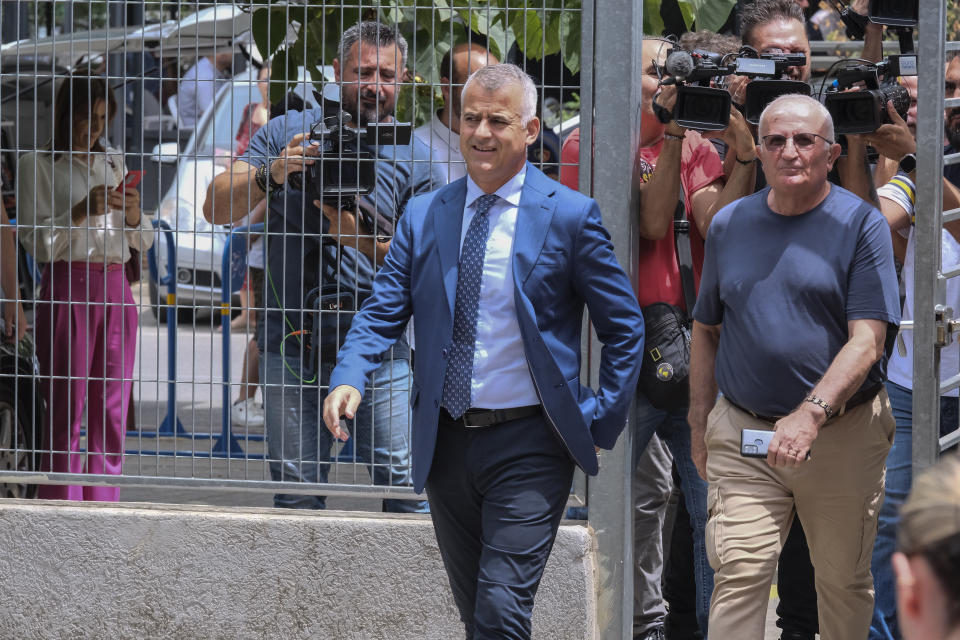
[(298, 256), (784, 288)]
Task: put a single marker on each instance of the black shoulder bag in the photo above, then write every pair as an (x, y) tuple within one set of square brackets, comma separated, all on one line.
[(666, 360)]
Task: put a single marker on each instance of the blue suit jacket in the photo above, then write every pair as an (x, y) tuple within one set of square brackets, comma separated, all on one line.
[(562, 259)]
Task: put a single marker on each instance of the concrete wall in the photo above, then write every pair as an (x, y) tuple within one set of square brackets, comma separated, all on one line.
[(142, 571)]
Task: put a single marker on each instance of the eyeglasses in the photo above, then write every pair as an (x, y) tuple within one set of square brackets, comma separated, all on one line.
[(801, 141)]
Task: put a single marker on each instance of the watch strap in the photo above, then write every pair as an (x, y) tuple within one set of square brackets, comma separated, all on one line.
[(827, 409), (908, 163)]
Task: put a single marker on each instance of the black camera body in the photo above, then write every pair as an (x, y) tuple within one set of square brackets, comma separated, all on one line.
[(767, 69), (344, 170), (699, 106), (865, 111), (706, 108)]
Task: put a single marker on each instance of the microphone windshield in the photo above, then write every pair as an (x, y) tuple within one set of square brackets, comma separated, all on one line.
[(679, 63)]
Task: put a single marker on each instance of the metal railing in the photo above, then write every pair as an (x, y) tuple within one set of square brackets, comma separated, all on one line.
[(185, 437), (933, 325)]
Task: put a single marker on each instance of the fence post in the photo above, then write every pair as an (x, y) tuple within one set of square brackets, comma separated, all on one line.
[(612, 82), (171, 425), (929, 287)]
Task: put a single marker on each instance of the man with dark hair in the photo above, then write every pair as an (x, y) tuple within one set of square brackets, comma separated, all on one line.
[(674, 165), (951, 118), (311, 245), (442, 133)]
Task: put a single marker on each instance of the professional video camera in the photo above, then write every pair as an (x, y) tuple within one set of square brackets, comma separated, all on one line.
[(768, 84), (903, 15), (706, 108), (865, 111), (343, 171)]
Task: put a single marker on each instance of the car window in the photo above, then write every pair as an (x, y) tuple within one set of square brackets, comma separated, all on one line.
[(218, 134)]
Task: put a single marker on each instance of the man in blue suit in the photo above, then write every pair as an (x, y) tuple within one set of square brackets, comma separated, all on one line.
[(496, 268)]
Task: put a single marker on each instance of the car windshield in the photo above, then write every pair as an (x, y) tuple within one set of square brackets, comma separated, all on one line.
[(218, 136)]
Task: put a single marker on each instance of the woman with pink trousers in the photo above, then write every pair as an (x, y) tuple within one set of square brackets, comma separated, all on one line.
[(74, 215)]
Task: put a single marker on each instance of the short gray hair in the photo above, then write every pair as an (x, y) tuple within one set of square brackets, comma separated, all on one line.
[(496, 76), (372, 32), (799, 99)]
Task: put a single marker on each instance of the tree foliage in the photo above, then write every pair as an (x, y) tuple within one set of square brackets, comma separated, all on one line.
[(539, 29), (697, 14)]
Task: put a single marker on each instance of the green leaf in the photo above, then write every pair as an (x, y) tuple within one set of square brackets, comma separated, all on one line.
[(652, 22), (528, 29), (712, 14), (552, 32), (570, 34), (689, 11), (279, 72), (259, 28)]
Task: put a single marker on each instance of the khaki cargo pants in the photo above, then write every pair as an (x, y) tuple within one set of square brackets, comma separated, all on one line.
[(837, 494)]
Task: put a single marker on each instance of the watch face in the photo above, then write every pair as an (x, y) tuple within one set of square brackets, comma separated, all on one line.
[(908, 163)]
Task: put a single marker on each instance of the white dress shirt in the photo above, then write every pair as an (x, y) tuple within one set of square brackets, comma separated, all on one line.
[(445, 145), (47, 190), (501, 376), (196, 91)]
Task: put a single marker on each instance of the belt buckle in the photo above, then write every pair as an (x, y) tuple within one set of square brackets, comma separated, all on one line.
[(465, 418)]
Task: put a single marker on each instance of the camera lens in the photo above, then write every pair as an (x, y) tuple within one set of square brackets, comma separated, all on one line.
[(857, 111)]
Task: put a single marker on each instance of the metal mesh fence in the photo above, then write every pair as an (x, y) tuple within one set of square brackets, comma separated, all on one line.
[(181, 324)]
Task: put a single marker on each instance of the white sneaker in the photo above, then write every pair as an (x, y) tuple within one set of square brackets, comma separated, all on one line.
[(247, 413)]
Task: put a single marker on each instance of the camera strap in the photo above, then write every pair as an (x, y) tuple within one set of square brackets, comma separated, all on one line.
[(681, 239)]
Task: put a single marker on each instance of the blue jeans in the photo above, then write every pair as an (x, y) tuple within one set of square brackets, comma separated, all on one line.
[(673, 429), (298, 443), (897, 485)]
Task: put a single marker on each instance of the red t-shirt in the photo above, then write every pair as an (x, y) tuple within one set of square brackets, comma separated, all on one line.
[(570, 161), (659, 279)]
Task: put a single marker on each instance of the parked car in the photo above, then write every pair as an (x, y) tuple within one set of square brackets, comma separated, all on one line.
[(209, 152)]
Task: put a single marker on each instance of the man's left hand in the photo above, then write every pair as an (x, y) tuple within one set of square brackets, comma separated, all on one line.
[(738, 136), (892, 140), (343, 223), (793, 438)]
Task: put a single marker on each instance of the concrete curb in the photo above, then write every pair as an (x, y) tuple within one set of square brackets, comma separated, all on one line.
[(149, 571)]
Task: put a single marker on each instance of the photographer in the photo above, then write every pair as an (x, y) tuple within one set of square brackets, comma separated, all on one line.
[(675, 165), (312, 244), (779, 26)]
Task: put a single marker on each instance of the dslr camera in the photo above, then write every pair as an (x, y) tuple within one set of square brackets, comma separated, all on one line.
[(864, 111), (345, 169)]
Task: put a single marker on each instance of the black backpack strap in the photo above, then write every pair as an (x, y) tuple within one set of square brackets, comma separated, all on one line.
[(681, 239)]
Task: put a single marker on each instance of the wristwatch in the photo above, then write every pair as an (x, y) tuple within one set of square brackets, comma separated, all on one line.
[(908, 163), (265, 179)]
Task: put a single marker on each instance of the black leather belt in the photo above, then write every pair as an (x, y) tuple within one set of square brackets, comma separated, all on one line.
[(860, 397), (475, 418)]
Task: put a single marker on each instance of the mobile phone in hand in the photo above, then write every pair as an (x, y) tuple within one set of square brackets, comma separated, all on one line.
[(131, 180), (754, 443)]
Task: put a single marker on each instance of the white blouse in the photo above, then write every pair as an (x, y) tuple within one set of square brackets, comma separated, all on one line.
[(47, 190)]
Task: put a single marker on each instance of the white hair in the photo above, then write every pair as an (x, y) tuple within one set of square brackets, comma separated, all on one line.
[(792, 99), (497, 76)]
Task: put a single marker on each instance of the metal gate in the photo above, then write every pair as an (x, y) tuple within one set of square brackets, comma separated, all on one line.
[(934, 324), (180, 432)]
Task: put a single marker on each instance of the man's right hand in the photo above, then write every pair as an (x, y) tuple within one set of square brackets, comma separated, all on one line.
[(341, 401), (295, 157)]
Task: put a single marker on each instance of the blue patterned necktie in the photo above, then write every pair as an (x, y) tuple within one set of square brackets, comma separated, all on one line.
[(459, 375)]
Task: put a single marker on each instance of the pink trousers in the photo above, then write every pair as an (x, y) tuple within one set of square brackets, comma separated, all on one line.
[(86, 328)]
